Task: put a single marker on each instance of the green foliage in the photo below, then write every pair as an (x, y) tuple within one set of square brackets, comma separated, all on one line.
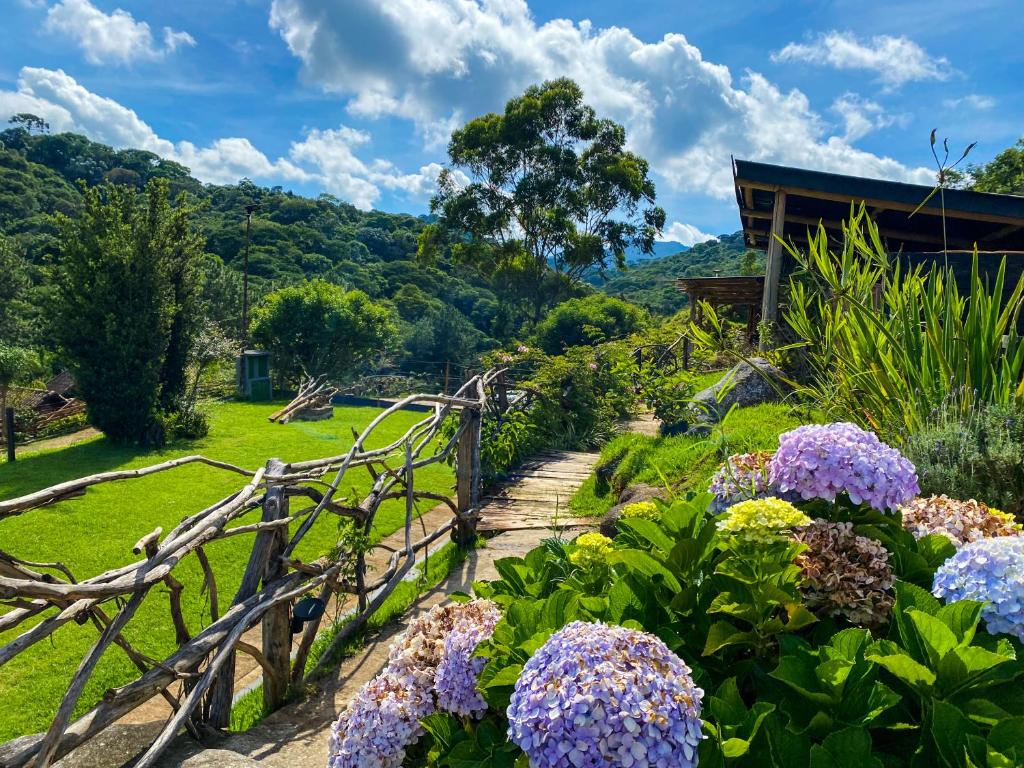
[(125, 306), (783, 688), (974, 455), (586, 322), (547, 180), (318, 327), (1005, 172), (888, 365)]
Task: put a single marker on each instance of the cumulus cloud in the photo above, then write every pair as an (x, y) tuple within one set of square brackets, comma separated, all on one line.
[(439, 62), (861, 116), (114, 38), (687, 234), (323, 157), (895, 60)]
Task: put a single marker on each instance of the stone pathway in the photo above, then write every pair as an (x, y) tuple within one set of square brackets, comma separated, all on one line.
[(519, 513)]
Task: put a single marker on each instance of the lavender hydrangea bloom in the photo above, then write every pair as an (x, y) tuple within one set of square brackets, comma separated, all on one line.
[(992, 571), (458, 671), (379, 723), (598, 695), (821, 461), (383, 718), (741, 477)]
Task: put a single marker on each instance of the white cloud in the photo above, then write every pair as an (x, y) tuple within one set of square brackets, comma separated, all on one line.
[(861, 116), (971, 101), (324, 157), (115, 38), (687, 234), (438, 62), (895, 60)]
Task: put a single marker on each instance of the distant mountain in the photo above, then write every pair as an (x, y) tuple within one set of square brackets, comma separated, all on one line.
[(661, 250), (649, 283)]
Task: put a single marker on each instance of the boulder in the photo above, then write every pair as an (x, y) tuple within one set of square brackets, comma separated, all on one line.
[(632, 495), (752, 383)]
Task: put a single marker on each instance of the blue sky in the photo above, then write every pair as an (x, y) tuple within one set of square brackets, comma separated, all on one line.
[(357, 97)]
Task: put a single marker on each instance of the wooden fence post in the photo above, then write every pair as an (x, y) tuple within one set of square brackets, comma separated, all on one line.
[(467, 477), (277, 634), (222, 690), (501, 388)]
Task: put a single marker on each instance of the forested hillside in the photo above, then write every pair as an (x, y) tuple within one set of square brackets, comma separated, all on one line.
[(450, 313), (650, 285)]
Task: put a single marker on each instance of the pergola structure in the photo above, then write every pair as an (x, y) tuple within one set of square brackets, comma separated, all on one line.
[(740, 290), (781, 202)]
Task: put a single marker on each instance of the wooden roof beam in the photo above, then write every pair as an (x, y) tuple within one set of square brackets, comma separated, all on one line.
[(815, 194)]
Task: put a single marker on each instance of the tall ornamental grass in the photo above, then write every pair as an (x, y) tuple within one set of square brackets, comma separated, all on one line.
[(889, 345)]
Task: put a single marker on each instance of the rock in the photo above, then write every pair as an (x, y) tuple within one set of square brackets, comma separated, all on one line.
[(753, 382), (219, 758), (632, 495), (315, 414)]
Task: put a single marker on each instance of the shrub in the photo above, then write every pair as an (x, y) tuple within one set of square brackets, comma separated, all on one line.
[(978, 454), (586, 322)]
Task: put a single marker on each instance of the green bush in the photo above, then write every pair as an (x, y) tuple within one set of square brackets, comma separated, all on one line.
[(979, 455), (783, 687), (588, 321)]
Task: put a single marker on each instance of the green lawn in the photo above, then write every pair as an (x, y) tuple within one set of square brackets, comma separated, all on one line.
[(96, 532), (686, 463)]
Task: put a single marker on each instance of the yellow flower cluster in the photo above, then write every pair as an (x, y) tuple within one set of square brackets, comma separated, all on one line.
[(641, 510), (591, 549), (762, 516)]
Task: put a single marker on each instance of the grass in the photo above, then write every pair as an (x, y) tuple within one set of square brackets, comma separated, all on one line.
[(685, 463), (97, 531)]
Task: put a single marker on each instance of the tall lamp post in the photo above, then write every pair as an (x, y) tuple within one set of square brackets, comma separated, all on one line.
[(243, 373), (249, 211)]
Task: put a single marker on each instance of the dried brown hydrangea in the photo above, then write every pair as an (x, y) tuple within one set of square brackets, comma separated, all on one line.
[(845, 575), (960, 521)]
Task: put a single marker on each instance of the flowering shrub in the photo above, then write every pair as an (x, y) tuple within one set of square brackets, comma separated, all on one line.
[(458, 669), (760, 517), (432, 656), (959, 521), (990, 571), (825, 460), (598, 695), (742, 476), (590, 550), (845, 574), (641, 510)]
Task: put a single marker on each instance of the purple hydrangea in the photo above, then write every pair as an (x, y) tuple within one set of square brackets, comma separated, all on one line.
[(822, 461), (457, 673), (424, 673), (743, 476), (597, 695), (380, 722), (991, 571)]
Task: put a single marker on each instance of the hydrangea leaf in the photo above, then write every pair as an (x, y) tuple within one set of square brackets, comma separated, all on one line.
[(848, 748), (949, 729), (641, 562), (935, 637), (916, 675), (962, 618), (723, 634), (648, 531), (1007, 737)]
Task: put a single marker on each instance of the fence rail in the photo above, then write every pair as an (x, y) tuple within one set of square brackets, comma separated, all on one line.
[(274, 577)]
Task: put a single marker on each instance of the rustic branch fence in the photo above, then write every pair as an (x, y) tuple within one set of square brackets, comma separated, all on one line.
[(46, 596)]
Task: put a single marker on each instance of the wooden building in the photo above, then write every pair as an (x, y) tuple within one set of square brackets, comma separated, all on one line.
[(777, 201)]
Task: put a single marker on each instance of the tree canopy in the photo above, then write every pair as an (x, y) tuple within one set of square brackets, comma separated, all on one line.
[(1005, 173), (552, 192), (318, 327), (587, 321)]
